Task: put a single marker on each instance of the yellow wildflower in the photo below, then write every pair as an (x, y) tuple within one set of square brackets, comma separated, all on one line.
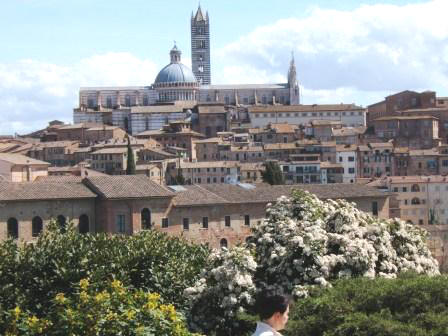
[(60, 298), (170, 311), (32, 321), (84, 297), (17, 312), (101, 297), (116, 284), (130, 314), (84, 284)]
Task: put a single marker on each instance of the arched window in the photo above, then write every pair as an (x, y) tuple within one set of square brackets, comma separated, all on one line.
[(415, 188), (264, 99), (13, 228), (223, 243), (62, 223), (109, 102), (415, 200), (36, 226), (83, 225), (146, 219)]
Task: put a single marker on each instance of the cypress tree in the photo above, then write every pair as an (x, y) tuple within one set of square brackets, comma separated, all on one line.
[(130, 168), (272, 174)]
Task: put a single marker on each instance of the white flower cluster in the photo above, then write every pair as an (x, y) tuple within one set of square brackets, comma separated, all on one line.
[(307, 241), (225, 288)]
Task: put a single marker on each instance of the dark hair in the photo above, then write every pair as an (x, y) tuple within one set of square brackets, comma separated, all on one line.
[(269, 304)]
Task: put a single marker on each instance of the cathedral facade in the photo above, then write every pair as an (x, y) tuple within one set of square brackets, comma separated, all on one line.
[(177, 89)]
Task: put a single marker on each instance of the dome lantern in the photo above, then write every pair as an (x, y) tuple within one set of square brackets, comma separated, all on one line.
[(175, 54)]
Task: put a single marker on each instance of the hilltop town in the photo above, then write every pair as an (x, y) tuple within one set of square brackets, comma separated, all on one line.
[(188, 157)]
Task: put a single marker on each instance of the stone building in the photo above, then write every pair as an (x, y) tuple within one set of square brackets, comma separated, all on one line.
[(275, 133), (28, 207), (175, 134), (404, 100), (217, 214), (415, 132), (422, 201), (375, 160), (205, 172), (347, 114), (410, 103), (21, 168), (177, 89), (347, 156), (57, 153)]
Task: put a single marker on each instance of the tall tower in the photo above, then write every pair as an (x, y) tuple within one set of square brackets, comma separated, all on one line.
[(200, 46), (294, 90)]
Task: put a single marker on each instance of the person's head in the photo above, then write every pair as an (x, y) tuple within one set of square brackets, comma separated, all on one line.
[(274, 310)]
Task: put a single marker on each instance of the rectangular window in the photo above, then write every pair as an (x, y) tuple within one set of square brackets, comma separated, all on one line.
[(227, 220), (405, 189), (121, 223), (351, 158), (340, 159), (351, 170), (165, 222), (186, 223), (205, 222), (375, 208), (247, 220)]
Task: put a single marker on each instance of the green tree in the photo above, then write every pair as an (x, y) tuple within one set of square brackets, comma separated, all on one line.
[(272, 173), (130, 168), (179, 179)]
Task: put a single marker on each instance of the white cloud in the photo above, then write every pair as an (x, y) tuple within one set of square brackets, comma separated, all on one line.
[(359, 55), (341, 56), (33, 93)]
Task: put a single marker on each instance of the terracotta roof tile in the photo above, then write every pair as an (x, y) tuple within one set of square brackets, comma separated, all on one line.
[(126, 186), (14, 191), (21, 159)]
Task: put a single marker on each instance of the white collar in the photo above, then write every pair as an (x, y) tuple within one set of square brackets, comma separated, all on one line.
[(264, 327)]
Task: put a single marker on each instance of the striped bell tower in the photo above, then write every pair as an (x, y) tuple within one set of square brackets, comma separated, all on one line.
[(200, 47)]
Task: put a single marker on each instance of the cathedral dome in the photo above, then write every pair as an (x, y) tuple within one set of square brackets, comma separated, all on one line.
[(175, 72)]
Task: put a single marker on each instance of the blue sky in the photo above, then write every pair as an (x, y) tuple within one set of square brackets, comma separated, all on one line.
[(350, 51)]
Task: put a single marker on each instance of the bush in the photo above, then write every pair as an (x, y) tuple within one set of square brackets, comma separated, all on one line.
[(408, 305), (223, 293), (306, 242), (115, 310), (33, 274)]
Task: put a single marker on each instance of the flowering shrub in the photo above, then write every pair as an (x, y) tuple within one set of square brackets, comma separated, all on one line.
[(225, 289), (112, 311), (305, 242)]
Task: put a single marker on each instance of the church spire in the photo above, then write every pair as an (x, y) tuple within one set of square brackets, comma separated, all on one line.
[(294, 90), (292, 74), (199, 16)]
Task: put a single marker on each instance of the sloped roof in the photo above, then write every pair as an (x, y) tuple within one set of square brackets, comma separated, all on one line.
[(13, 191), (19, 159), (304, 108), (126, 186), (197, 195)]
